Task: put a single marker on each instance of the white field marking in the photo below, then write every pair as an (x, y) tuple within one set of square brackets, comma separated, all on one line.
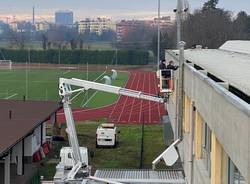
[(92, 96), (100, 76), (11, 96), (66, 72), (83, 110)]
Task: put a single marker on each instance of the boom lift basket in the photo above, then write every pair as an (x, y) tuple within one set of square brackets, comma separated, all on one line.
[(166, 81)]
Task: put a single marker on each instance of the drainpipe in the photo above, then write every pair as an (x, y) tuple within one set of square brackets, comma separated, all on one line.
[(181, 88), (191, 148)]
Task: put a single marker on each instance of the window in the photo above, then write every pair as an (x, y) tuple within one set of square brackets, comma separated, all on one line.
[(234, 175), (206, 147)]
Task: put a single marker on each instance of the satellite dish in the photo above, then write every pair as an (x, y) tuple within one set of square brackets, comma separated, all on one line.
[(107, 80), (170, 156), (114, 74)]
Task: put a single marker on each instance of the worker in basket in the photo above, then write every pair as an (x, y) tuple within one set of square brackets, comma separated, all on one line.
[(166, 72)]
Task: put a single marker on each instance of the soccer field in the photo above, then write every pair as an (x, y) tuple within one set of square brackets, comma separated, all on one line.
[(43, 85)]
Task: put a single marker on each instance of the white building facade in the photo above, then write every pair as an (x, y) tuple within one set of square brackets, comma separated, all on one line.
[(215, 145)]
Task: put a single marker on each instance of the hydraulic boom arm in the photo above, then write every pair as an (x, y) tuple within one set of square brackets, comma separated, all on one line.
[(65, 91)]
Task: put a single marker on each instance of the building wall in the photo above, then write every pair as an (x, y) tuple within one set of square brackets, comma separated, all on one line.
[(97, 26), (32, 143), (228, 119), (64, 18)]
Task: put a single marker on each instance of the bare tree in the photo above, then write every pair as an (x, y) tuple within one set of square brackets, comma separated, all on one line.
[(241, 26), (208, 27)]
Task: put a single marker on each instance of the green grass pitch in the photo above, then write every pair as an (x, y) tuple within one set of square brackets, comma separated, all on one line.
[(43, 85)]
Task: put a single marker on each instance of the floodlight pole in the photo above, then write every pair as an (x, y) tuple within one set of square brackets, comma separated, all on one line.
[(178, 21), (158, 34), (59, 56), (26, 81)]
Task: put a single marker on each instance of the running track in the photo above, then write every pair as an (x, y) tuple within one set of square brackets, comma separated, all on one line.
[(127, 110)]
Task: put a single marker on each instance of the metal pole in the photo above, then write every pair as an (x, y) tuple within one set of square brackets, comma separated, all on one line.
[(178, 21), (29, 57), (116, 56), (142, 142), (191, 147), (181, 87), (59, 56), (159, 39), (26, 81), (87, 80), (26, 75)]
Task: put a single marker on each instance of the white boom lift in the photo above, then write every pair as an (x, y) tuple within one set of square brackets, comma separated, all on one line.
[(80, 172)]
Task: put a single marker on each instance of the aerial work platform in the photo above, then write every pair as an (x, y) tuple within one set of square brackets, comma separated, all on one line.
[(142, 176)]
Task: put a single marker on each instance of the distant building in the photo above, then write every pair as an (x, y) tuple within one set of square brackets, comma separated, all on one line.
[(124, 27), (42, 26), (64, 17), (13, 25), (164, 22), (97, 26)]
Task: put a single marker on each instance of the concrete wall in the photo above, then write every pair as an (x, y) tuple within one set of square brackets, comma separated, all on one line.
[(226, 115)]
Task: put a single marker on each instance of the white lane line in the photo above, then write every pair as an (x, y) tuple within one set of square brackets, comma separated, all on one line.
[(124, 105), (11, 96), (134, 99), (66, 72)]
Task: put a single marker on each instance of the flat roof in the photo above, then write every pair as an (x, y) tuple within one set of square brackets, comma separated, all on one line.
[(230, 63), (231, 67), (25, 117)]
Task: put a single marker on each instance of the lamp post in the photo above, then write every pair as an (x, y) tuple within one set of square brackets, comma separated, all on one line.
[(182, 8)]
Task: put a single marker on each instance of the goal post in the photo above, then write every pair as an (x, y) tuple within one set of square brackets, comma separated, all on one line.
[(6, 64)]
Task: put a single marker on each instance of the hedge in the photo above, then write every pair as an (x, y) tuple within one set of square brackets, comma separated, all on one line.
[(124, 57)]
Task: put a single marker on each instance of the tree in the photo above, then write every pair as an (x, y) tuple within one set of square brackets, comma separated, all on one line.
[(73, 44), (210, 4), (44, 41), (139, 36), (210, 28), (165, 43), (108, 35), (241, 26)]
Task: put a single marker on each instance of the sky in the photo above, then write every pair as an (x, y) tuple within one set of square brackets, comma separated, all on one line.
[(115, 9)]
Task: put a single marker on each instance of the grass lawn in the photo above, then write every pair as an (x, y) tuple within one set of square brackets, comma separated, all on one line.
[(43, 85), (125, 155), (104, 98)]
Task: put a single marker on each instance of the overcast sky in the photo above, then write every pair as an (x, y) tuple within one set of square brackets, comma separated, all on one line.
[(116, 9)]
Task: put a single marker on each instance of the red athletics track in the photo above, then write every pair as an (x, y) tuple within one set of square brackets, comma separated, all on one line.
[(127, 110)]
